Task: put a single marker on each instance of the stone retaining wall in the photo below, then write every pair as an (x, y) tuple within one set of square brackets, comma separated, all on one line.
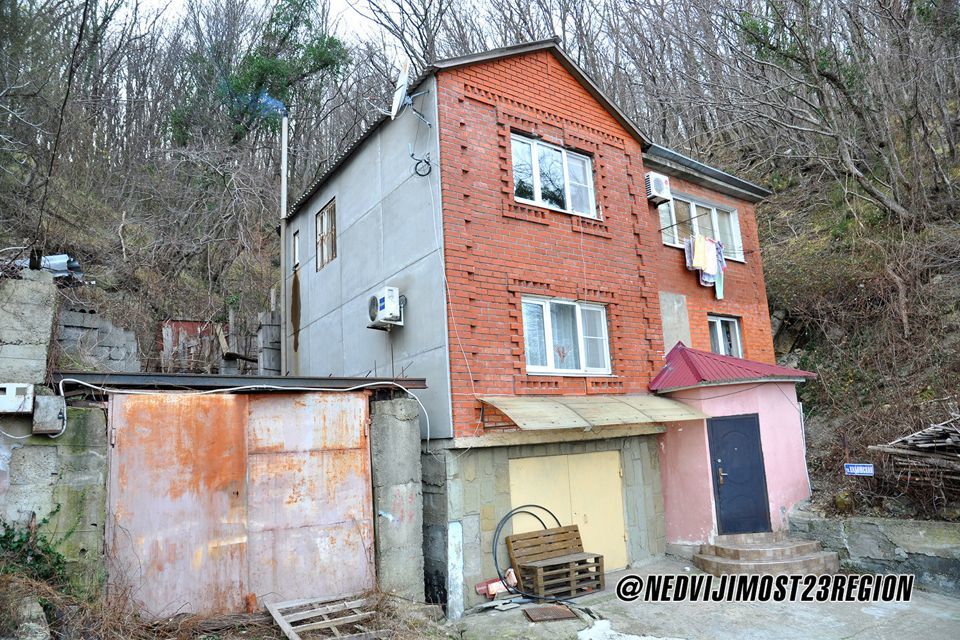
[(928, 549)]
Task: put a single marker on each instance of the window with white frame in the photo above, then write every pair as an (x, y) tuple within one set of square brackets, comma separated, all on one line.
[(296, 250), (326, 234), (561, 336), (682, 217), (725, 336), (551, 176)]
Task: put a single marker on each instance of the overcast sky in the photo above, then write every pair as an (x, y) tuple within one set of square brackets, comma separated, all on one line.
[(349, 22)]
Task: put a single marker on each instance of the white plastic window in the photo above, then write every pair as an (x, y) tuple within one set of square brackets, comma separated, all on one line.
[(682, 218), (296, 250), (562, 336), (725, 336), (326, 234), (550, 176)]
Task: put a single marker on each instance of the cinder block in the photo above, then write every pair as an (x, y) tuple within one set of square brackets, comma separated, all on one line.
[(80, 320)]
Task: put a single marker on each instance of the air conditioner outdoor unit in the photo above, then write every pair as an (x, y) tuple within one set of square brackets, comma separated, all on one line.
[(658, 188), (385, 309)]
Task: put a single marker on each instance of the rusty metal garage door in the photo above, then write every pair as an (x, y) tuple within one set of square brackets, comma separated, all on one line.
[(218, 503)]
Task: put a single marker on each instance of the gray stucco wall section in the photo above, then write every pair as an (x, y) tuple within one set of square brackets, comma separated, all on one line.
[(675, 319), (388, 234), (467, 492)]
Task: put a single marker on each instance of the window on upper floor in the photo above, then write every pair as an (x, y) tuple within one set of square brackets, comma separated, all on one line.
[(326, 234), (725, 336), (682, 217), (561, 336), (296, 250), (551, 176)]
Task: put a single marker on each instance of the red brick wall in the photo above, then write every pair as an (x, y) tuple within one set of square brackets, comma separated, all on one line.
[(497, 250), (745, 294)]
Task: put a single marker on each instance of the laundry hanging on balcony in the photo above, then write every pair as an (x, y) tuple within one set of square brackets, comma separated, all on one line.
[(705, 256)]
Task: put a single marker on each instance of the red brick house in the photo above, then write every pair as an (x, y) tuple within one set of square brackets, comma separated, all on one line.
[(542, 289)]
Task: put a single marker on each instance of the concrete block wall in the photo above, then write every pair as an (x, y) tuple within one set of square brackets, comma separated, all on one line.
[(63, 479), (88, 341), (26, 322), (476, 492), (397, 496)]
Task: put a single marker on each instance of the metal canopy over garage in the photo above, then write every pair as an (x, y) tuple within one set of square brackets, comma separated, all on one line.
[(587, 412)]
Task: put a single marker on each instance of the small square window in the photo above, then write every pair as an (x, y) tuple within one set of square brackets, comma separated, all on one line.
[(725, 337), (296, 250)]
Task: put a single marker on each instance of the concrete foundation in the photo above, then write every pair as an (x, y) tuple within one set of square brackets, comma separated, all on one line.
[(63, 482), (928, 549), (466, 492), (397, 496)]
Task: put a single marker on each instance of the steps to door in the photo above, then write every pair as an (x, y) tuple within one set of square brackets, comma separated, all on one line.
[(774, 553)]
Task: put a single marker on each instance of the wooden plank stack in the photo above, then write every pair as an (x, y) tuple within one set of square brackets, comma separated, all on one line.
[(552, 563), (930, 456)]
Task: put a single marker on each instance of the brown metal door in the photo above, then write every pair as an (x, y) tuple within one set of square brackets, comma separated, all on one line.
[(217, 502)]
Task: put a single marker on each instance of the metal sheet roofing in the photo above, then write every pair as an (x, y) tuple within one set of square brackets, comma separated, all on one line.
[(686, 368), (587, 412)]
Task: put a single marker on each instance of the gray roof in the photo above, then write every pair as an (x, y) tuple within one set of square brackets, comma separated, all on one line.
[(669, 161), (742, 187)]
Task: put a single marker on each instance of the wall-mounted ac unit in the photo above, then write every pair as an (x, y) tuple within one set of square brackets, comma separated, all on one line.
[(385, 309), (658, 188)]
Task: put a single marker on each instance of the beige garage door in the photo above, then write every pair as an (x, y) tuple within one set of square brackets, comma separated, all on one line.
[(583, 489)]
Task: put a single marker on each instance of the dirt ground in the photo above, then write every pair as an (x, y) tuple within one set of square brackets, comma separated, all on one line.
[(936, 615)]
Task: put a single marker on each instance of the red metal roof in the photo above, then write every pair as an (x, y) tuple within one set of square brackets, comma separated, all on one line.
[(688, 367)]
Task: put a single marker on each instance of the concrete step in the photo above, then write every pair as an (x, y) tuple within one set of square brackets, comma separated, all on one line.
[(819, 562), (775, 550), (750, 538)]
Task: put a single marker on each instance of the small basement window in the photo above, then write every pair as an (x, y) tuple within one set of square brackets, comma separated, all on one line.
[(681, 218), (553, 177), (326, 234), (561, 336), (725, 336), (296, 250)]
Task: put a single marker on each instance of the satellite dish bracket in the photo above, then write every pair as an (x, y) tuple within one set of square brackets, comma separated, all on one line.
[(408, 102)]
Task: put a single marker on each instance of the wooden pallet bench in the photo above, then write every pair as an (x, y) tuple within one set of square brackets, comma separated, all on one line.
[(552, 562)]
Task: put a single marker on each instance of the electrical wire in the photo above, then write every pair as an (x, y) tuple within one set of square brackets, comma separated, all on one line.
[(249, 387)]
